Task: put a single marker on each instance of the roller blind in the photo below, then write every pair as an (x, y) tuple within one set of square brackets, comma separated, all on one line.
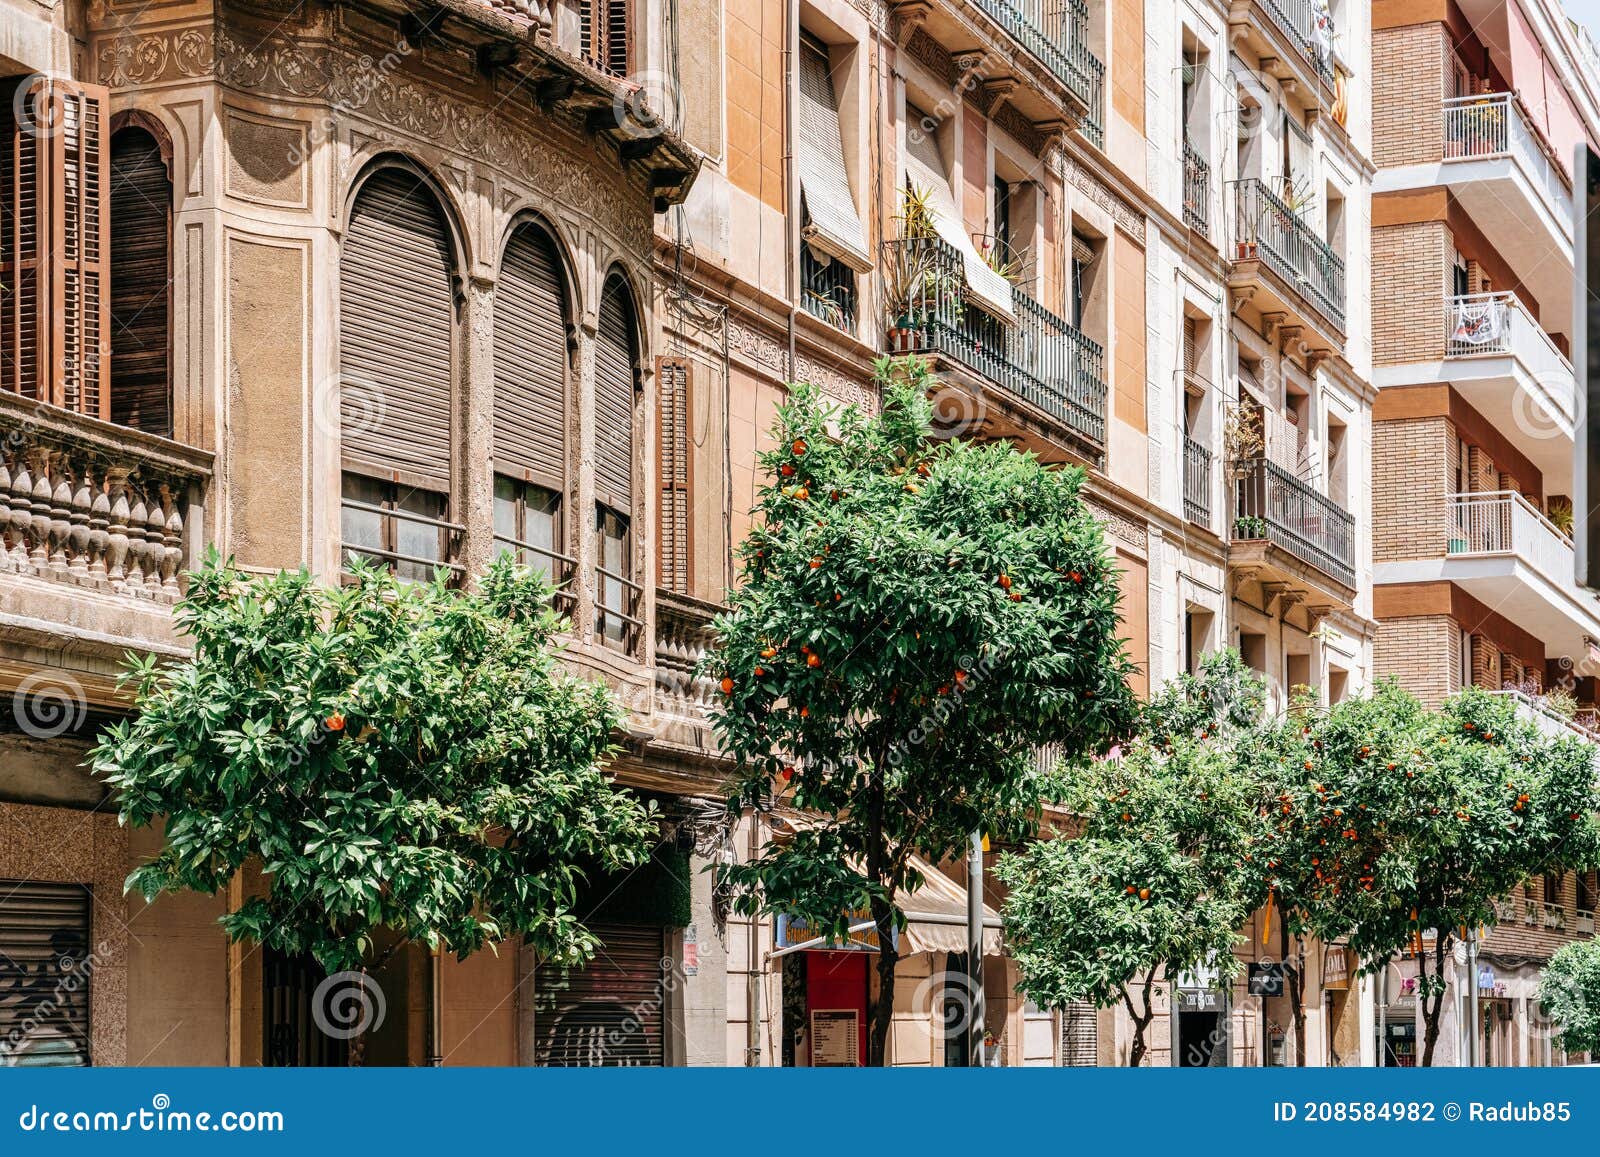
[(614, 374), (44, 949), (395, 348), (530, 362), (834, 224)]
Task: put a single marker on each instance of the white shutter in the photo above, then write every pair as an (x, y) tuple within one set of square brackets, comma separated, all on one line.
[(834, 225)]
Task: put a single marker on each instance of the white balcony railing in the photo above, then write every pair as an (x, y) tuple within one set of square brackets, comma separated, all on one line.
[(1584, 921), (1497, 323), (1495, 125), (1504, 522), (1545, 718)]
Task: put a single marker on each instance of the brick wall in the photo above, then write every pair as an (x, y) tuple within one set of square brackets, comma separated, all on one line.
[(1411, 474), (1424, 653), (1410, 269), (1408, 82)]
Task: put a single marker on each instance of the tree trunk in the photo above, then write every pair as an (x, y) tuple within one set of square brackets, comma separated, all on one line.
[(1432, 1006), (883, 918), (1294, 978), (1141, 1022)]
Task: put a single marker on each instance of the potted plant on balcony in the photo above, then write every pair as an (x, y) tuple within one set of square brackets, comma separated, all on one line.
[(1559, 512), (1249, 526)]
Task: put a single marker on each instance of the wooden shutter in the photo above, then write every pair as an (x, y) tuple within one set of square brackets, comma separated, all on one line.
[(24, 278), (530, 362), (80, 282), (141, 247), (605, 37), (395, 330), (612, 1011), (614, 361), (56, 312), (44, 944), (674, 463)]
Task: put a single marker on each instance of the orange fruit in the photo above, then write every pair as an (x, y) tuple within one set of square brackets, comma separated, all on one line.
[(727, 684), (799, 447), (801, 494), (334, 722), (1144, 893), (813, 660), (786, 470)]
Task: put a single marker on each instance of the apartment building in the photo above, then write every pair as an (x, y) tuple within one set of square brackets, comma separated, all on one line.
[(1479, 106), (420, 284), (1154, 218)]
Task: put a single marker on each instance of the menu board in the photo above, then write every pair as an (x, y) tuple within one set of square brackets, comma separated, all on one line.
[(835, 1037)]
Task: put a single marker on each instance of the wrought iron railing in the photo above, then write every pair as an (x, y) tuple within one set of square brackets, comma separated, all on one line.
[(1196, 482), (1272, 504), (1298, 20), (828, 290), (1039, 357), (1052, 30), (1196, 191), (1266, 229)]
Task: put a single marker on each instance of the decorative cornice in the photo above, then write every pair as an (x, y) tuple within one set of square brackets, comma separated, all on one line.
[(1126, 217)]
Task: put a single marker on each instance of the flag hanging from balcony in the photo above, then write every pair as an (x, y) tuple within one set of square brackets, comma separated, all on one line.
[(1479, 322)]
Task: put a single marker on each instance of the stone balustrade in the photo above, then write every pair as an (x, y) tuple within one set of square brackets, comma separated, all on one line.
[(683, 635), (96, 505)]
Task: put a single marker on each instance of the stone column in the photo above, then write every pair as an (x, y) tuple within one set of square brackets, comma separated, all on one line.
[(580, 513), (474, 481)]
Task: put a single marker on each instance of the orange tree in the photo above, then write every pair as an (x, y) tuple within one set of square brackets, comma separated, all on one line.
[(1390, 825), (913, 618), (1149, 875)]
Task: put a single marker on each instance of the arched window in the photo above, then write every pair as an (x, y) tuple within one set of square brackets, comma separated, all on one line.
[(396, 359), (616, 362), (530, 394), (141, 276)]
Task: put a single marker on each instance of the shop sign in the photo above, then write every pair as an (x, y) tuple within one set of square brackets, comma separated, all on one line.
[(1336, 967), (691, 951), (793, 931), (1266, 979), (1199, 1000)]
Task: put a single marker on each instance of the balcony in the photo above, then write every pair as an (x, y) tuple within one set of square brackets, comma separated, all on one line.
[(1293, 42), (1196, 191), (1051, 81), (1501, 550), (1537, 711), (1509, 181), (98, 524), (1038, 360), (1281, 266), (1196, 482), (1283, 532)]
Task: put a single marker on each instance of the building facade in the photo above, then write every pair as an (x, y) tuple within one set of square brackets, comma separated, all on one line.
[(1479, 108), (422, 283)]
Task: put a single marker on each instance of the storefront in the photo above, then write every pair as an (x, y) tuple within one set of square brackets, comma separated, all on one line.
[(1397, 1015), (828, 985), (1200, 1029)]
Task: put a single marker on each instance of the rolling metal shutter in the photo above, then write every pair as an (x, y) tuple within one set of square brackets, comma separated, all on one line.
[(1080, 1035), (614, 361), (611, 1012), (395, 329), (44, 976), (141, 207), (674, 465), (530, 362)]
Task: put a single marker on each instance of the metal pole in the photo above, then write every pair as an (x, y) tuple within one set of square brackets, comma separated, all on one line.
[(975, 949), (1476, 1043), (1382, 993)]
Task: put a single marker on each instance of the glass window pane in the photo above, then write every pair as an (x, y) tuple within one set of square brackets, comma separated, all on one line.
[(362, 527), (418, 539), (505, 513), (612, 540)]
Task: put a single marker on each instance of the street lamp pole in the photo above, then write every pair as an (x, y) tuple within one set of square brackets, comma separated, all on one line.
[(1476, 1043)]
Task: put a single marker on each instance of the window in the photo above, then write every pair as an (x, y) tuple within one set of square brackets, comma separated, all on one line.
[(616, 385), (1082, 279), (396, 375), (530, 403), (399, 526), (834, 240), (527, 524), (606, 35), (55, 300), (44, 952), (827, 288), (615, 592), (1552, 887), (141, 271)]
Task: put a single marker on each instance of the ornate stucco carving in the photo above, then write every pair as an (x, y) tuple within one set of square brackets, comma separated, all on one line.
[(768, 354), (1127, 218), (1120, 527), (396, 109)]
